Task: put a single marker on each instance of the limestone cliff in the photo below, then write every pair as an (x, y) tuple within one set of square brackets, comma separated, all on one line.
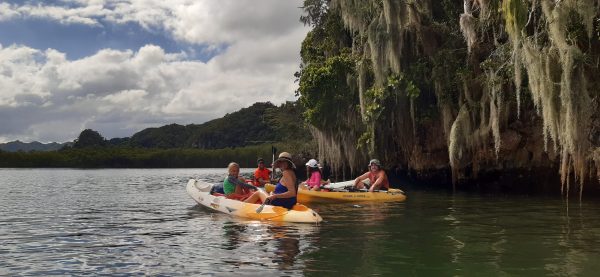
[(474, 87)]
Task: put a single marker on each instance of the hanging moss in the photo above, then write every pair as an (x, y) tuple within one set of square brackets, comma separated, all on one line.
[(515, 16), (470, 63)]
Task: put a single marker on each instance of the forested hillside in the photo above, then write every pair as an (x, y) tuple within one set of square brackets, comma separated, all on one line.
[(241, 136), (15, 146), (259, 123)]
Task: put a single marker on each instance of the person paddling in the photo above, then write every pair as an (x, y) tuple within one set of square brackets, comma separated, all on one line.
[(376, 175), (285, 190)]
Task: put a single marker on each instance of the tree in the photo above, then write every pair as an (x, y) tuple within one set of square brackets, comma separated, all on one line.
[(89, 138)]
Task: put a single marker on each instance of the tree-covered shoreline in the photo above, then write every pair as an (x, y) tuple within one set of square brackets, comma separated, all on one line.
[(121, 157), (241, 136)]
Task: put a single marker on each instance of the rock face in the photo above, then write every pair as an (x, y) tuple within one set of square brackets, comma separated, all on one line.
[(477, 88)]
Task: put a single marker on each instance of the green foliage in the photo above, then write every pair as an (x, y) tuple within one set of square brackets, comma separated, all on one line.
[(378, 98), (118, 141), (328, 38), (169, 136), (17, 145), (374, 107), (324, 91), (122, 157), (240, 136), (398, 83), (89, 138), (116, 157), (259, 123), (287, 122), (326, 67), (449, 71), (315, 11)]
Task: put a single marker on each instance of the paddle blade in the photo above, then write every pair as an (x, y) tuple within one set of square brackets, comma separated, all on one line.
[(262, 206), (259, 209)]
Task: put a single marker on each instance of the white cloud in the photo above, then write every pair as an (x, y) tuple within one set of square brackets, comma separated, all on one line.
[(126, 91), (126, 97), (44, 96), (86, 15), (207, 22), (7, 12)]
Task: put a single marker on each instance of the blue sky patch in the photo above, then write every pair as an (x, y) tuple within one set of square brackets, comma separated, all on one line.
[(78, 40)]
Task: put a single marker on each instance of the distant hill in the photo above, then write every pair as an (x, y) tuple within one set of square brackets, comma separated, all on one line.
[(259, 123), (15, 146), (240, 136)]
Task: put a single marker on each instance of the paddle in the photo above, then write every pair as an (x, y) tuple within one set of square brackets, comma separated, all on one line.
[(339, 185), (343, 184), (273, 151), (262, 206)]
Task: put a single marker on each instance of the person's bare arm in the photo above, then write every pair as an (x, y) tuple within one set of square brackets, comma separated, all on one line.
[(240, 183), (360, 178)]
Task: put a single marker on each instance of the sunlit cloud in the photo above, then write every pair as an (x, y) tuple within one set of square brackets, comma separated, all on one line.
[(44, 95)]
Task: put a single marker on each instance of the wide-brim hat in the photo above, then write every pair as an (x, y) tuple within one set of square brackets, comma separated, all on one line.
[(285, 157)]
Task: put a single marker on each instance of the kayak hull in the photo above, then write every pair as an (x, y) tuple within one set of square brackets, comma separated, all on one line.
[(200, 192), (310, 196)]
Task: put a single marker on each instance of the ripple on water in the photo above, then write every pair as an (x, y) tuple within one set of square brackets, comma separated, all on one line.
[(141, 222)]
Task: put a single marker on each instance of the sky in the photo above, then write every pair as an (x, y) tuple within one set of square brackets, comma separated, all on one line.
[(119, 66)]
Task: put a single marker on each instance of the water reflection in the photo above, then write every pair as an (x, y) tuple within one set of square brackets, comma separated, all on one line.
[(573, 237), (266, 244), (472, 227), (287, 245), (141, 222)]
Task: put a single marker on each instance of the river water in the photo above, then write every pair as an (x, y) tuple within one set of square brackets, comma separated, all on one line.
[(141, 222)]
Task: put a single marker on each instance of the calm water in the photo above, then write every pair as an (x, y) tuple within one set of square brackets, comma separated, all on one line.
[(141, 222)]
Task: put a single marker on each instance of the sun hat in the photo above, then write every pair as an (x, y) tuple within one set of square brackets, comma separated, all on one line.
[(286, 157), (312, 163), (375, 161)]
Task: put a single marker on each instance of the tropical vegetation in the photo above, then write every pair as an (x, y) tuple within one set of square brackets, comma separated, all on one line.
[(473, 87), (241, 136)]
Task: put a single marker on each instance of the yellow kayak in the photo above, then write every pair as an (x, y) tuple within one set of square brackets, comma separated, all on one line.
[(200, 192), (306, 196)]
